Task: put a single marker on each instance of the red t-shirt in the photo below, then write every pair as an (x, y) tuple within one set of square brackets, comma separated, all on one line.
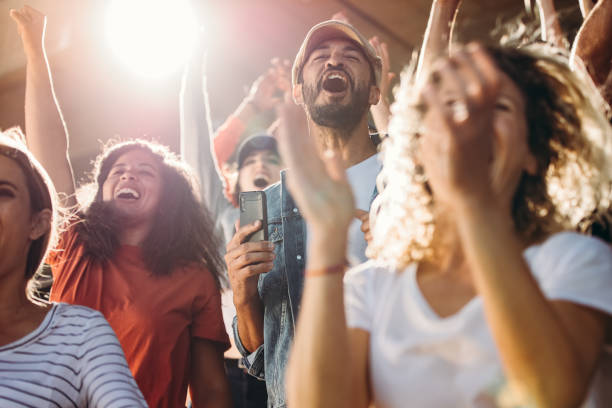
[(154, 318)]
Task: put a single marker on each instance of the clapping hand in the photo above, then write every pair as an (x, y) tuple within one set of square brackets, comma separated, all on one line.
[(317, 180), (457, 141)]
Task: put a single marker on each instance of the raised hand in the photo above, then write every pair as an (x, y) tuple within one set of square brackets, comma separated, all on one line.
[(31, 25), (381, 112), (317, 181), (387, 76), (457, 140), (585, 7), (592, 48), (550, 26), (267, 91)]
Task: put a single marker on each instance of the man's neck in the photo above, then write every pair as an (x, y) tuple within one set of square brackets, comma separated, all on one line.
[(354, 146)]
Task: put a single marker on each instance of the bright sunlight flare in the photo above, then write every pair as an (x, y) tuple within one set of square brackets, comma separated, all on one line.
[(152, 37)]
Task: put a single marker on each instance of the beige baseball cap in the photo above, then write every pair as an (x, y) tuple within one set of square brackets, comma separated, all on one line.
[(334, 29)]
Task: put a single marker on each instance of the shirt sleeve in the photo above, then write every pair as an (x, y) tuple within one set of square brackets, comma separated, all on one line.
[(358, 304), (227, 138), (575, 268), (107, 379), (254, 362), (207, 315)]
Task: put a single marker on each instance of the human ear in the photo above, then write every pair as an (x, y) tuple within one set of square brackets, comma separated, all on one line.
[(41, 224), (298, 97), (374, 95)]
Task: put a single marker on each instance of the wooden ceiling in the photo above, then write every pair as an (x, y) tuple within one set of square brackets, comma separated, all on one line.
[(100, 99)]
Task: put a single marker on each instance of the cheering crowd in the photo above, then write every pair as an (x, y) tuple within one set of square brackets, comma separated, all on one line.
[(451, 249)]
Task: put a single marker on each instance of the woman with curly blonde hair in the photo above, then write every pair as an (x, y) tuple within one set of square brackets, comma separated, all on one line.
[(481, 294), (566, 133)]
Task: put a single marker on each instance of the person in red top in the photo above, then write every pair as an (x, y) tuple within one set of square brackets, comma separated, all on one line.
[(143, 252)]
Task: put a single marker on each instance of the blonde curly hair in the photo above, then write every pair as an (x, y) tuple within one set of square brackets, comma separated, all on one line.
[(567, 133)]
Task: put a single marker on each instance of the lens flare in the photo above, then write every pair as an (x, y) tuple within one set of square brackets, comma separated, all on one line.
[(151, 37)]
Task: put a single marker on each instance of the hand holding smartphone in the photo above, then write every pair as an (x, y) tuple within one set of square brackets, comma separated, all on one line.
[(253, 208)]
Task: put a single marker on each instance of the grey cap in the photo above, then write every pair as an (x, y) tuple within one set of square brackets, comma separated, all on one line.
[(334, 29), (254, 143)]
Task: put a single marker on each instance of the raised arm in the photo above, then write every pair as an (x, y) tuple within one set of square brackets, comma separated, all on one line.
[(327, 366), (585, 7), (252, 115), (549, 23), (381, 112), (265, 94), (196, 133), (46, 132), (593, 42), (592, 47), (438, 34)]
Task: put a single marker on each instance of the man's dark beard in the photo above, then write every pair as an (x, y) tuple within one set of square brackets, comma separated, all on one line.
[(334, 115)]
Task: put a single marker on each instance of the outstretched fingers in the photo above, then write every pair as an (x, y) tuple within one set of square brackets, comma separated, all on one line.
[(297, 147)]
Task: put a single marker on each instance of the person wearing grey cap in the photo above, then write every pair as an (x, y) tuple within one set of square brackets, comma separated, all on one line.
[(257, 166), (335, 79)]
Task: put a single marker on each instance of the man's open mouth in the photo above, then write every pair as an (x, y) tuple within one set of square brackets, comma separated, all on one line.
[(261, 182), (127, 193), (335, 82)]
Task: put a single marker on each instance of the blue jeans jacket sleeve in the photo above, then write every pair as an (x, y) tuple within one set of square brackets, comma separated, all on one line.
[(254, 362)]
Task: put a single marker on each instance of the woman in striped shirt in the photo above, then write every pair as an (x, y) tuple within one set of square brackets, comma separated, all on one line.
[(51, 355)]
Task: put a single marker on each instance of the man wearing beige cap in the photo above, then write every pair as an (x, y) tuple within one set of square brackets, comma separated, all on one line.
[(335, 79)]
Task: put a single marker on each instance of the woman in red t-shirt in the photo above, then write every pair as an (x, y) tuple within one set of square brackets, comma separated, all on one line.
[(143, 252)]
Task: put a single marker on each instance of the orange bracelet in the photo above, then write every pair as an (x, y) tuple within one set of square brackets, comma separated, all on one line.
[(329, 270)]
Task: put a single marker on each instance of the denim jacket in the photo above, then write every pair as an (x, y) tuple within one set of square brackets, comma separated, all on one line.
[(280, 291)]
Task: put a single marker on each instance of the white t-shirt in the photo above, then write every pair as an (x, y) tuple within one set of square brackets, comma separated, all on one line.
[(73, 359), (419, 359), (362, 178)]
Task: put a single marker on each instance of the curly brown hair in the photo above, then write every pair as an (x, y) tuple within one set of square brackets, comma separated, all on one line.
[(183, 231)]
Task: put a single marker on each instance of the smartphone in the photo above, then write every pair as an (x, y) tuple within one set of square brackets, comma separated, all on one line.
[(253, 208)]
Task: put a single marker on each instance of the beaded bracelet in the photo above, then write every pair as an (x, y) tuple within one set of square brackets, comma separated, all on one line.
[(329, 270)]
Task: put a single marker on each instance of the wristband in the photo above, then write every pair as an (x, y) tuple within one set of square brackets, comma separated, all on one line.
[(327, 271)]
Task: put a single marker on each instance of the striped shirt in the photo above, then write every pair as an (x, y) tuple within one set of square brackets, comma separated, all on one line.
[(73, 359)]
